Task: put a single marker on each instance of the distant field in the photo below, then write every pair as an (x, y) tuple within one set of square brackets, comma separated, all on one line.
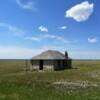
[(80, 83)]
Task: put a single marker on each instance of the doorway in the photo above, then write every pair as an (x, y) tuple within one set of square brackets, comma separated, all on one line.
[(41, 65)]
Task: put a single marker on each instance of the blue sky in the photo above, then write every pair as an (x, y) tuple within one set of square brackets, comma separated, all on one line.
[(28, 27)]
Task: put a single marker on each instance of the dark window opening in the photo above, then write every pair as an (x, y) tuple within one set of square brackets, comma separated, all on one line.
[(41, 65)]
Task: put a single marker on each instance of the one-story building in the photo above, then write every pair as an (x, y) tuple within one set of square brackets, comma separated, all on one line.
[(51, 60)]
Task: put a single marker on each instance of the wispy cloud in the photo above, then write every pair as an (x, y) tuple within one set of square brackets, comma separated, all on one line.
[(93, 40), (80, 12), (12, 52), (17, 52), (43, 37), (38, 39), (43, 28), (63, 27), (12, 29), (55, 37), (86, 54), (30, 5)]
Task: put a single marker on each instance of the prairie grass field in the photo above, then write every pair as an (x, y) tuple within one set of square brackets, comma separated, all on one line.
[(82, 82)]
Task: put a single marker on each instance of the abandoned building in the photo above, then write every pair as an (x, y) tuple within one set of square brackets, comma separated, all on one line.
[(51, 60)]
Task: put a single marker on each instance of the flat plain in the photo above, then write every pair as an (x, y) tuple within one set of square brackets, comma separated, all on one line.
[(82, 82)]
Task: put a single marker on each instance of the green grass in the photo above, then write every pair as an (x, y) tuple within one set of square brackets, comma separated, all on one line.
[(80, 83)]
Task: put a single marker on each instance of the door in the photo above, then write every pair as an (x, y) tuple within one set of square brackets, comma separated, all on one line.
[(41, 65)]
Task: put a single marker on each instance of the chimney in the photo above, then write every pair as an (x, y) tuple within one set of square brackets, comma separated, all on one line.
[(66, 55)]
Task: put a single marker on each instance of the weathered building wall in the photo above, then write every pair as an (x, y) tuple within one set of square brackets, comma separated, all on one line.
[(52, 64), (48, 65), (60, 64), (34, 65), (69, 63)]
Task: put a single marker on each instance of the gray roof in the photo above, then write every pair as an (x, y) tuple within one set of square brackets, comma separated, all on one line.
[(50, 54)]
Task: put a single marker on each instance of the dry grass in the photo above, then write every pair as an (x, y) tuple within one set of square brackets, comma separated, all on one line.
[(81, 82)]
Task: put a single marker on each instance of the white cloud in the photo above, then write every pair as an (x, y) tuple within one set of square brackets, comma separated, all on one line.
[(80, 12), (93, 40), (30, 5), (43, 29), (42, 37), (33, 38), (28, 53), (63, 27), (12, 52), (12, 29), (49, 36), (20, 33), (86, 54), (59, 38), (18, 52)]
